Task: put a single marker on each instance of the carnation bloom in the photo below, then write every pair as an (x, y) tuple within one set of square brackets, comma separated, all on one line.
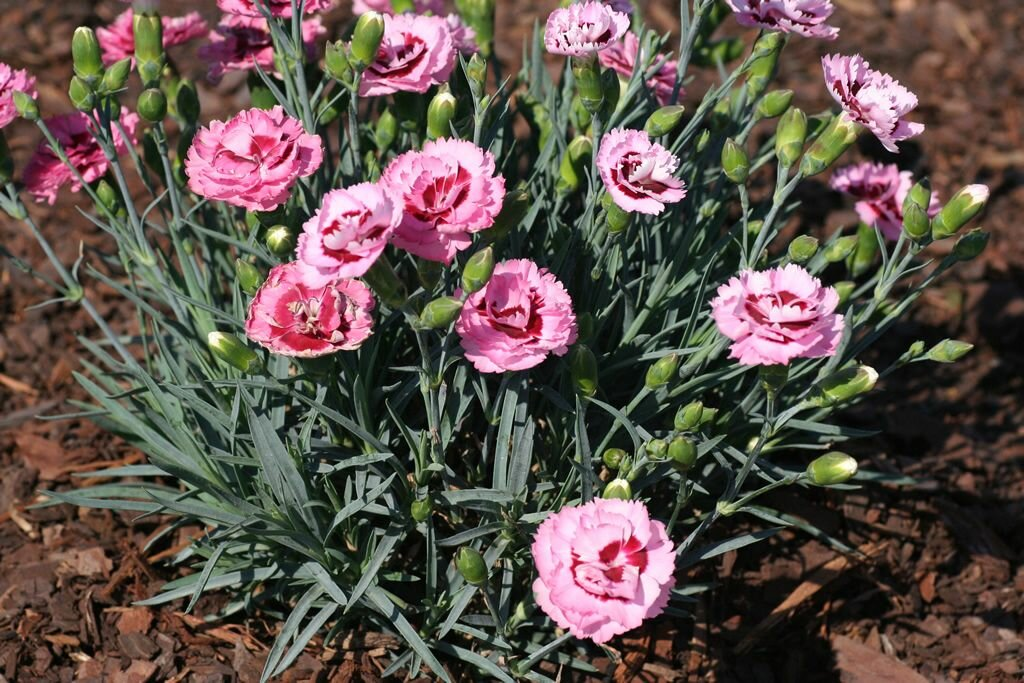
[(417, 52), (278, 8), (349, 231), (874, 100), (463, 35), (583, 28), (385, 7), (776, 315), (521, 315), (602, 568), (240, 43), (638, 173), (253, 160), (12, 80), (118, 39), (297, 313), (448, 190), (45, 174), (881, 190), (805, 17), (622, 57)]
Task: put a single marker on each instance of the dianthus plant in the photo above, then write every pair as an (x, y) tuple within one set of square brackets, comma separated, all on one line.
[(485, 360)]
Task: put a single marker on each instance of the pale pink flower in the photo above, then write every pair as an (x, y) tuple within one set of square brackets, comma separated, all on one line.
[(296, 313), (385, 7), (416, 53), (463, 35), (118, 39), (602, 568), (349, 231), (622, 57), (874, 100), (638, 173), (880, 190), (448, 191), (45, 174), (253, 160), (240, 43), (12, 80), (805, 17), (517, 319), (584, 28), (776, 315), (278, 8)]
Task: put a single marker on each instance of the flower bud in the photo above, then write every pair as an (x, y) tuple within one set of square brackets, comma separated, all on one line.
[(702, 141), (844, 288), (802, 249), (280, 240), (683, 453), (656, 449), (790, 135), (513, 210), (916, 223), (920, 194), (863, 257), (831, 145), (478, 270), (6, 161), (971, 245), (336, 61), (116, 76), (249, 277), (471, 565), (81, 95), (916, 350), (85, 56), (583, 368), (708, 416), (662, 371), (948, 351), (965, 205), (366, 37), (421, 509), (735, 162), (831, 468), (476, 73), (230, 350), (187, 101), (152, 105), (840, 249), (613, 458), (440, 313), (385, 283), (842, 386), (616, 219), (774, 104), (386, 130), (26, 106), (664, 120), (108, 196), (149, 47), (440, 113), (618, 489), (766, 59), (587, 73), (479, 16), (574, 163), (688, 417)]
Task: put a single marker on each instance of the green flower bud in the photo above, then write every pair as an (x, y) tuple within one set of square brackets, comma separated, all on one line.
[(26, 106), (708, 416), (916, 223), (971, 245), (656, 449), (385, 283), (386, 130), (802, 249), (476, 73), (249, 277), (662, 371), (108, 196), (513, 210), (863, 257), (664, 120), (471, 565), (116, 77), (842, 386), (919, 195), (965, 205), (616, 219), (478, 270), (479, 16), (948, 351), (421, 509), (336, 61), (228, 349), (773, 377), (440, 113), (916, 350), (688, 417), (152, 105), (149, 47), (583, 368), (366, 37), (754, 228), (844, 288), (766, 59), (790, 135), (702, 141), (613, 458), (82, 96), (85, 56), (618, 489), (831, 145), (440, 313), (735, 163), (6, 161), (587, 73), (774, 104), (574, 163), (831, 468), (683, 453), (840, 249), (187, 101), (280, 240)]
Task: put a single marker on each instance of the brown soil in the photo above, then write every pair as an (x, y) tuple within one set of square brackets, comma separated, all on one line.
[(939, 594)]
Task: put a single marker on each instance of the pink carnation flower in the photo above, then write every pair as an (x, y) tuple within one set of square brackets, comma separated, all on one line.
[(622, 57), (517, 319), (296, 313), (385, 7), (875, 100), (253, 160), (240, 43), (805, 17), (448, 191), (118, 39), (602, 568), (45, 174), (12, 80), (278, 8), (417, 52), (881, 190), (583, 28), (638, 173), (776, 315), (463, 35), (349, 231)]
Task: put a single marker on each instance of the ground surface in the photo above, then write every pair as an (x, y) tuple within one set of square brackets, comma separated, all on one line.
[(941, 595)]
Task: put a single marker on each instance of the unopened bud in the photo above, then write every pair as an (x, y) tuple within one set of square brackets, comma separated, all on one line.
[(844, 288), (187, 101), (916, 223), (832, 144), (440, 113), (840, 249), (683, 453), (116, 76), (766, 59), (702, 141), (476, 73), (478, 270), (386, 130), (802, 249), (249, 277), (440, 313), (688, 417), (831, 468), (149, 47), (230, 350), (85, 56), (708, 416), (656, 449), (280, 240), (366, 37), (662, 371), (26, 106), (336, 61), (842, 386), (385, 283), (618, 489), (574, 163), (664, 120), (587, 73), (616, 219), (920, 194), (81, 95), (971, 245), (735, 162), (965, 205), (613, 458), (948, 351), (471, 565), (583, 368), (774, 104), (790, 135), (108, 196), (421, 509), (152, 105), (863, 257)]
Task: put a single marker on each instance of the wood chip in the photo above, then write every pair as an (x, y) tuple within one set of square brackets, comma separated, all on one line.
[(858, 663)]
